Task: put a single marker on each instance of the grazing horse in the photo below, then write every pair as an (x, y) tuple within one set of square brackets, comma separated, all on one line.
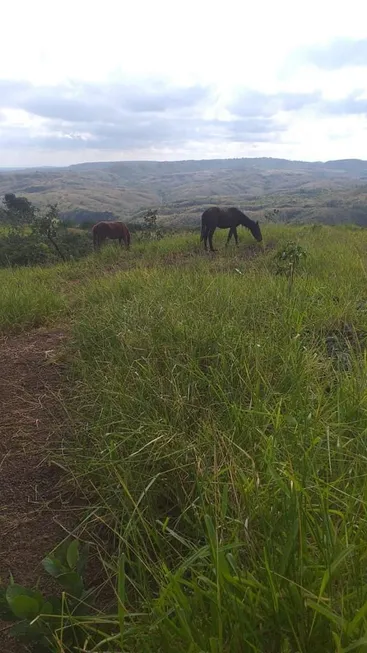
[(113, 230), (226, 219)]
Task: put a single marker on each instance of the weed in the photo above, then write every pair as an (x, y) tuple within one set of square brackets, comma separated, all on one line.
[(43, 621), (288, 259)]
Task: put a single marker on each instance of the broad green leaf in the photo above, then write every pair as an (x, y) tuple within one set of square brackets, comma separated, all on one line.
[(82, 560), (53, 566), (15, 590), (47, 608), (23, 630), (56, 604), (31, 634), (37, 595), (72, 554), (24, 607), (72, 583)]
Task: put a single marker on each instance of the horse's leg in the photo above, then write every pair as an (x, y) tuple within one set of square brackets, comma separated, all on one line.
[(231, 231), (210, 235), (95, 240), (126, 241), (235, 235), (205, 237)]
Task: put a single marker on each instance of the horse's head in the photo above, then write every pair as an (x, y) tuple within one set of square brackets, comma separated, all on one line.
[(256, 232), (254, 227)]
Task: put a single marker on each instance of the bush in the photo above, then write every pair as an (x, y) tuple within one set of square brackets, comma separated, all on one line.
[(18, 248)]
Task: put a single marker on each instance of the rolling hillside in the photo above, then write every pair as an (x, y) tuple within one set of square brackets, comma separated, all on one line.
[(331, 192)]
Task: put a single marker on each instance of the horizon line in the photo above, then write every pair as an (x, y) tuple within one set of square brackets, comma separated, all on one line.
[(152, 161)]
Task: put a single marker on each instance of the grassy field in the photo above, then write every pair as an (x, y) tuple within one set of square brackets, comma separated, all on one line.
[(220, 438)]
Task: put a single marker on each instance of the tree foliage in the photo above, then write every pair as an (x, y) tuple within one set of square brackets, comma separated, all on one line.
[(150, 224), (36, 236), (19, 212), (47, 225)]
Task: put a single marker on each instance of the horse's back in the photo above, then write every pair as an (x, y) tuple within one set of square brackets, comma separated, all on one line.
[(211, 215), (100, 227), (112, 229)]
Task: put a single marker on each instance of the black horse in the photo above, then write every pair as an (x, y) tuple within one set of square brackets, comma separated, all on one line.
[(226, 219)]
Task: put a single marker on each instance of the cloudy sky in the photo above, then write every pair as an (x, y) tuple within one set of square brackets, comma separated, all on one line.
[(83, 81)]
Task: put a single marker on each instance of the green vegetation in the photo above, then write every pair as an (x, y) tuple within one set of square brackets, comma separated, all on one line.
[(288, 260), (38, 619), (220, 440), (31, 236), (30, 298)]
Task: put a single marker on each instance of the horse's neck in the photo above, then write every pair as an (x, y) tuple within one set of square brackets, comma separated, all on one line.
[(247, 222)]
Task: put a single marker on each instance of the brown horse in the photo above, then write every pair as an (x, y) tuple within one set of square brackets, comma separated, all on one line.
[(113, 230), (226, 219)]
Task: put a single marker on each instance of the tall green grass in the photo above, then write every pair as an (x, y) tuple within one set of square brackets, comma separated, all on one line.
[(220, 438), (222, 444), (29, 298), (37, 296)]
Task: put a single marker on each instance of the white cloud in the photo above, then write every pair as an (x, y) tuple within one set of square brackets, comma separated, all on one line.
[(82, 81)]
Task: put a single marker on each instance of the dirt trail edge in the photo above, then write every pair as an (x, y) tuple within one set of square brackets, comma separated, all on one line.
[(31, 418)]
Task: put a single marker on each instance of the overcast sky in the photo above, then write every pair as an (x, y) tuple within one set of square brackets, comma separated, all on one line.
[(142, 79)]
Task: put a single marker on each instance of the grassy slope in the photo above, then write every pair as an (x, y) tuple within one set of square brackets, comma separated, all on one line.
[(222, 435), (181, 190)]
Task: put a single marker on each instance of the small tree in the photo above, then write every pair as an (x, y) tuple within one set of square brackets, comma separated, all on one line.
[(272, 215), (288, 259), (150, 219), (19, 212), (150, 224), (47, 225)]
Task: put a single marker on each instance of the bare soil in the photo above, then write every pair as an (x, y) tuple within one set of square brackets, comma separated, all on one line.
[(34, 512)]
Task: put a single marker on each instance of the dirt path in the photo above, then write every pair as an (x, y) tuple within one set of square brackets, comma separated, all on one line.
[(31, 507)]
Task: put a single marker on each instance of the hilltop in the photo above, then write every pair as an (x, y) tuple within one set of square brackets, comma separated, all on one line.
[(330, 192)]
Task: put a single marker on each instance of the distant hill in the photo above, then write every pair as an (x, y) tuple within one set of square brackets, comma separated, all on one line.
[(331, 191)]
